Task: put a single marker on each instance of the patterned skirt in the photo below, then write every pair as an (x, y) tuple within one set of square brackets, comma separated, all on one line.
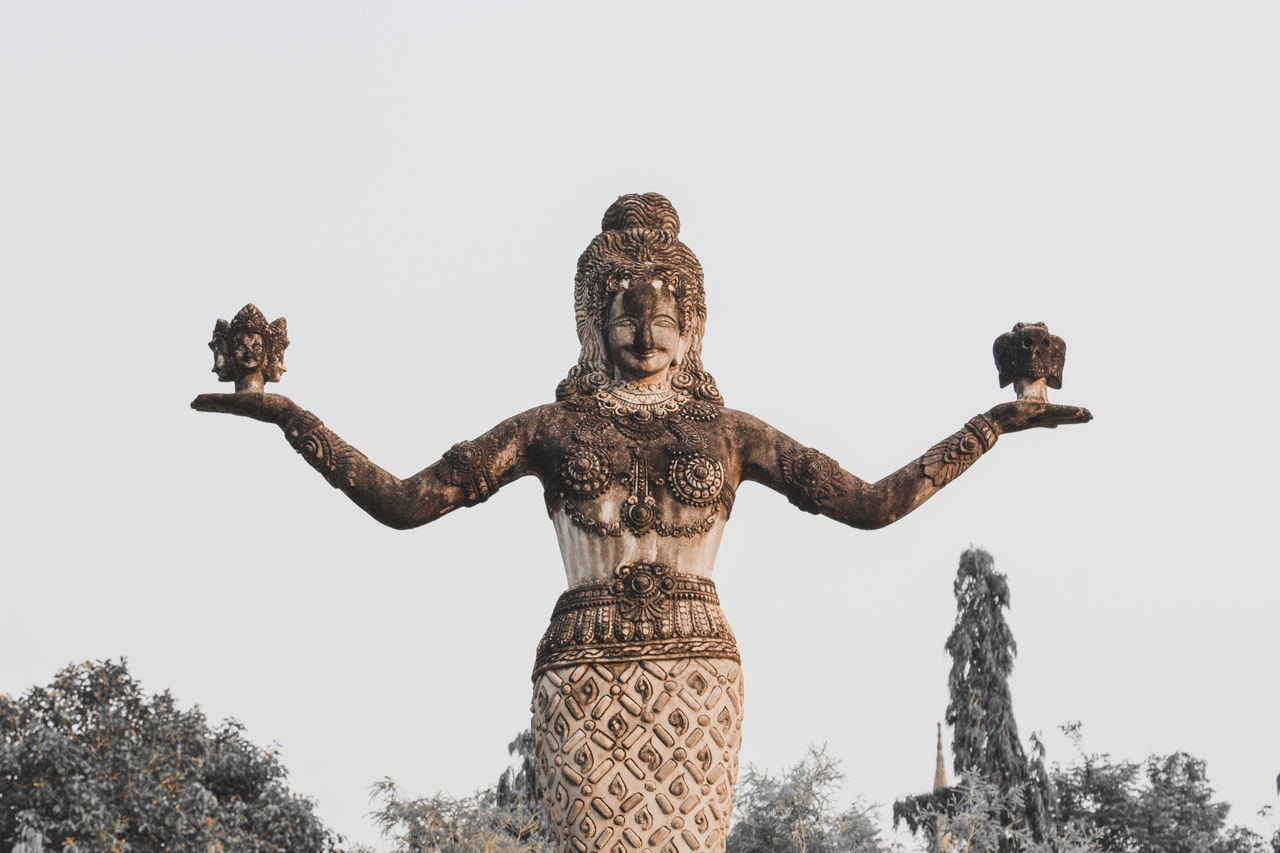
[(637, 715)]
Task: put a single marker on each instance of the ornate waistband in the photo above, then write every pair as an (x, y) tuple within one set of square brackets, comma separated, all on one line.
[(647, 612)]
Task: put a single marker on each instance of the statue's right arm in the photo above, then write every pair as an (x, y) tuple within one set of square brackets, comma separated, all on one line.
[(468, 473)]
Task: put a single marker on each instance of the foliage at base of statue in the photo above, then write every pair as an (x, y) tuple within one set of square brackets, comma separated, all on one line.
[(1161, 805), (1265, 811), (793, 812), (507, 818), (444, 824), (518, 787), (90, 763), (1164, 803), (975, 817)]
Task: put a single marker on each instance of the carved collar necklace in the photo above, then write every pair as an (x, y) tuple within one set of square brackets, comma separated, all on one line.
[(641, 402)]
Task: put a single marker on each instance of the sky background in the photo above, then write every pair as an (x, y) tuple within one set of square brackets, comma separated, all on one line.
[(875, 190)]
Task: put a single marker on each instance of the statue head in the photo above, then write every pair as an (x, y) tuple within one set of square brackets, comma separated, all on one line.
[(642, 331), (249, 350), (1030, 355), (638, 264)]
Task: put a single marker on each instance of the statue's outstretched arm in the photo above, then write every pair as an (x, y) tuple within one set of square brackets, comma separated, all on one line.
[(468, 473), (814, 482)]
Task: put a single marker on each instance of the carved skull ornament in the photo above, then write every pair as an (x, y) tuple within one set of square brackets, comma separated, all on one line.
[(1030, 358)]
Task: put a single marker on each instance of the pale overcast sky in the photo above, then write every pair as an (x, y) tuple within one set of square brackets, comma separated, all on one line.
[(875, 190)]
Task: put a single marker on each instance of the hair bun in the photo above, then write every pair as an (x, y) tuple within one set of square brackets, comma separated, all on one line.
[(650, 211)]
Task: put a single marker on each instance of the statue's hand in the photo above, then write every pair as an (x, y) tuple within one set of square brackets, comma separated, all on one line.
[(1025, 414), (272, 408)]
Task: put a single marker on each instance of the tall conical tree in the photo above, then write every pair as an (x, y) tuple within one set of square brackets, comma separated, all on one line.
[(984, 733)]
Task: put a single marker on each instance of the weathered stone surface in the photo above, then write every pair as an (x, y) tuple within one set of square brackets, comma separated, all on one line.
[(249, 351), (1030, 358), (639, 756), (638, 695)]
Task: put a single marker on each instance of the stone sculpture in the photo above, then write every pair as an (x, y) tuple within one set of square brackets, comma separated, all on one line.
[(637, 699), (249, 351), (1030, 358)]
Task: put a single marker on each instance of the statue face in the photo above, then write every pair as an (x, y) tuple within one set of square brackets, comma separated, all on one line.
[(642, 331), (1030, 352), (248, 351)]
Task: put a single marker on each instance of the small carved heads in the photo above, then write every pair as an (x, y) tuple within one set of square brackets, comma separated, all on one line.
[(1030, 358), (249, 351)]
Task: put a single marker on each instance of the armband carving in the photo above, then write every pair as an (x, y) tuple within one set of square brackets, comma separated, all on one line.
[(952, 456), (467, 465), (337, 461), (812, 478)]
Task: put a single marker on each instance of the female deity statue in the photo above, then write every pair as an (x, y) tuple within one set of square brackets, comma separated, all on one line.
[(637, 690)]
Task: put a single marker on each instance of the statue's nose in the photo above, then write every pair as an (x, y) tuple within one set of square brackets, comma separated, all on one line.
[(644, 337)]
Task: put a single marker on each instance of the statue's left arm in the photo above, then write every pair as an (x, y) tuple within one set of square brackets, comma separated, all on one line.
[(814, 481)]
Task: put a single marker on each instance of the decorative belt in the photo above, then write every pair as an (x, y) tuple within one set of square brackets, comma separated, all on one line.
[(647, 612)]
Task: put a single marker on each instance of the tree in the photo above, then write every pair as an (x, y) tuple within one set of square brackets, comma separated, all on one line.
[(91, 763), (507, 818), (445, 824), (978, 813), (984, 733), (1162, 805), (792, 812), (519, 788)]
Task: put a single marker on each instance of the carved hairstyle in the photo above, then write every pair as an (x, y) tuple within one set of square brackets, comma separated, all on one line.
[(638, 241)]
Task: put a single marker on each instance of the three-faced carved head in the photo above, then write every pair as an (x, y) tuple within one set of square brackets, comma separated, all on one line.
[(1030, 352), (249, 346)]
